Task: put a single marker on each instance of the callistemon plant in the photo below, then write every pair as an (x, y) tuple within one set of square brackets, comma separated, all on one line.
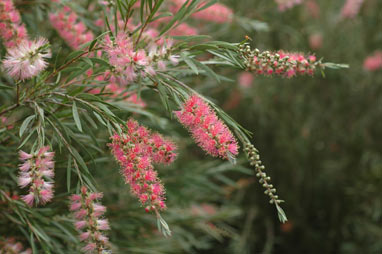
[(12, 30), (11, 246), (89, 220), (287, 4), (111, 62), (136, 149), (209, 132), (278, 63), (37, 171), (72, 30), (27, 59)]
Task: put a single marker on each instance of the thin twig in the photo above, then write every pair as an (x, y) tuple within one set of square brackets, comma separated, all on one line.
[(9, 109), (69, 63), (145, 24)]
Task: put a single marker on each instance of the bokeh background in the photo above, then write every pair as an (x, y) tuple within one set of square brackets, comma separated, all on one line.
[(320, 138)]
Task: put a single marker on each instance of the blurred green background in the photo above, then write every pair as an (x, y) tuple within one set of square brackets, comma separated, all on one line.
[(320, 138)]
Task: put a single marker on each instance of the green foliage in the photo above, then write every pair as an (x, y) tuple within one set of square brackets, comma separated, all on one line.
[(319, 138)]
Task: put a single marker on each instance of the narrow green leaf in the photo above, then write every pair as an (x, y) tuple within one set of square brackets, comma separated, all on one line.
[(281, 214), (190, 63), (76, 117), (69, 172), (25, 124), (5, 87)]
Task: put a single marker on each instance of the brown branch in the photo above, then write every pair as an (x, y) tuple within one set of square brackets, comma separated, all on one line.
[(70, 62), (145, 24), (9, 109)]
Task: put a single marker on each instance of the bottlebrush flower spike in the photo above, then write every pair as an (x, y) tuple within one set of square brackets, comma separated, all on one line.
[(218, 13), (183, 29), (128, 63), (351, 8), (278, 63), (26, 60), (73, 31), (12, 30), (37, 171), (245, 79), (373, 62), (136, 151), (209, 132), (287, 4), (125, 60), (89, 220), (10, 246)]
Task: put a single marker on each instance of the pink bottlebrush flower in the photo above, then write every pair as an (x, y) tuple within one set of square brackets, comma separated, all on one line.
[(75, 197), (183, 30), (280, 63), (217, 13), (313, 8), (89, 248), (24, 156), (209, 132), (26, 60), (88, 215), (84, 236), (4, 122), (24, 180), (79, 214), (10, 246), (245, 79), (28, 199), (163, 151), (70, 28), (12, 30), (25, 166), (127, 62), (373, 62), (36, 172), (315, 41), (136, 151), (80, 224), (287, 4), (46, 195), (103, 225), (99, 209), (351, 8)]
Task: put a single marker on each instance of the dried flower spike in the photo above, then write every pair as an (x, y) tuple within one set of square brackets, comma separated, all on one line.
[(27, 59), (37, 172), (89, 221), (209, 132)]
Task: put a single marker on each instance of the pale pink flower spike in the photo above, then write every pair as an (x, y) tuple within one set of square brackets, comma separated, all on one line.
[(90, 221), (27, 59), (37, 171)]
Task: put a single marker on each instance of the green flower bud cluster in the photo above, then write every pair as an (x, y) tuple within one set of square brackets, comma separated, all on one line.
[(254, 160)]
